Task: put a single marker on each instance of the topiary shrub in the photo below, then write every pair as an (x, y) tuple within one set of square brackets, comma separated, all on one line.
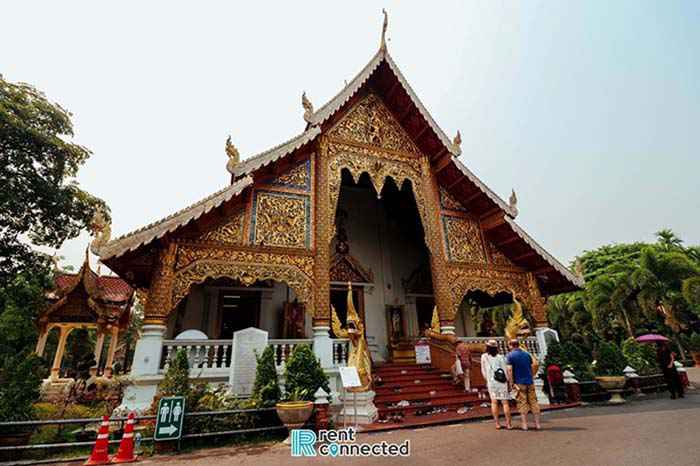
[(641, 357), (611, 361), (266, 390), (177, 378), (303, 375)]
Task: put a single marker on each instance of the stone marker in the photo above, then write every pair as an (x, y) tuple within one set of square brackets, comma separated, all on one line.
[(246, 343)]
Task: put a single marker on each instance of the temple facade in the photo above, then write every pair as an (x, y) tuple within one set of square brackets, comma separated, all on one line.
[(371, 193)]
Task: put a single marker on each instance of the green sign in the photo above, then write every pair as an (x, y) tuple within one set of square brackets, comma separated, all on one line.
[(171, 413)]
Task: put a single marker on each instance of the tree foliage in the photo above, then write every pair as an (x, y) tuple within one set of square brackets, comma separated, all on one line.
[(40, 199), (177, 378), (610, 361)]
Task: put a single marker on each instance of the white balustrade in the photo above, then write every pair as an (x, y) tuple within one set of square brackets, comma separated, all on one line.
[(341, 351), (530, 344)]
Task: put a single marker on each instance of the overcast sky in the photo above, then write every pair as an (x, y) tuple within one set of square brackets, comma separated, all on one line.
[(590, 110)]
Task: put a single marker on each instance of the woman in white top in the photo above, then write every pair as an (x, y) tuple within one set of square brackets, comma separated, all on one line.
[(491, 362)]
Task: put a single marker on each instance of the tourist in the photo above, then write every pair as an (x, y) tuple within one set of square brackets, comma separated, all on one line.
[(667, 360), (462, 364), (520, 369), (493, 368)]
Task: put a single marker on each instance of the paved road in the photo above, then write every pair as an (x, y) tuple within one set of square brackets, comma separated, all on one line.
[(650, 432)]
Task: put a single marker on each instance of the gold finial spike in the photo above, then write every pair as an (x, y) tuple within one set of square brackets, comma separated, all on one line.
[(308, 107), (513, 202), (234, 157), (382, 44)]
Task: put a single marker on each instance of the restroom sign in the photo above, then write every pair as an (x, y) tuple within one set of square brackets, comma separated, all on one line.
[(171, 413)]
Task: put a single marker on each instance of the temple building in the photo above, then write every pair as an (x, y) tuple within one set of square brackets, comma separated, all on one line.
[(371, 192), (85, 300)]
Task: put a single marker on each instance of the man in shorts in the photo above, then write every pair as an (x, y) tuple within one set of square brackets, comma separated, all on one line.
[(520, 377)]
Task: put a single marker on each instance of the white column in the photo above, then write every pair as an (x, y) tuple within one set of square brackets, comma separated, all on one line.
[(147, 352), (58, 357), (323, 345), (543, 334), (114, 339)]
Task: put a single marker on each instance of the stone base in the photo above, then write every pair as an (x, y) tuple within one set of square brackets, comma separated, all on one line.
[(366, 411), (542, 398)]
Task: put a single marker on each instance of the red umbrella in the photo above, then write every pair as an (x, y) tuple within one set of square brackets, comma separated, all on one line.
[(651, 338)]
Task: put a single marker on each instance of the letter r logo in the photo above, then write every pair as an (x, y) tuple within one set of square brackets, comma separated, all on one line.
[(303, 441)]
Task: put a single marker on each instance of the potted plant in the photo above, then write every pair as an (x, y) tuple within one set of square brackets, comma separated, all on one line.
[(608, 369), (694, 346), (303, 375)]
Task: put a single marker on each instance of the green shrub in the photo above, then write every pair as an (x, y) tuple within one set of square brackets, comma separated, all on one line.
[(266, 391), (20, 381), (570, 356), (694, 342), (177, 378), (611, 361), (641, 357), (303, 374)]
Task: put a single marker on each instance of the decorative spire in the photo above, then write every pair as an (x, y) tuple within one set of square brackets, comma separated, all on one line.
[(308, 107), (513, 203), (578, 268), (457, 141), (382, 44), (101, 230), (233, 155)]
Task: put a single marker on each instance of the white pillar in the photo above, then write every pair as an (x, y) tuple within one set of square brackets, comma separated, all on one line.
[(447, 329), (323, 345), (41, 342), (114, 339), (58, 357), (543, 334), (148, 350)]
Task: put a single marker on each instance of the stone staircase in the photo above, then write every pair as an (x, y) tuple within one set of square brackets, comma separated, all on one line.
[(410, 395)]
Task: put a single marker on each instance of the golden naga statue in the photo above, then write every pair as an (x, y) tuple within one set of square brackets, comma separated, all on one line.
[(101, 229), (435, 321), (355, 332), (517, 326)]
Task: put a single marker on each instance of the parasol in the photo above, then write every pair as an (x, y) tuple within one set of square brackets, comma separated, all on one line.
[(651, 338)]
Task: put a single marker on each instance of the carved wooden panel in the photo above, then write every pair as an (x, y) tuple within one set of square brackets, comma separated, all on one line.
[(463, 240), (230, 232), (370, 122), (450, 203), (497, 257), (281, 219), (298, 177)]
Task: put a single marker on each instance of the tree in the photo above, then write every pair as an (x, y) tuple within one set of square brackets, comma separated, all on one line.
[(40, 199), (176, 381), (266, 390), (303, 374)]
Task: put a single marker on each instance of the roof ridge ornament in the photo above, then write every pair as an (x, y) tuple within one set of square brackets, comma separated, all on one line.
[(308, 108), (513, 203), (457, 141), (101, 229), (382, 43), (234, 157)]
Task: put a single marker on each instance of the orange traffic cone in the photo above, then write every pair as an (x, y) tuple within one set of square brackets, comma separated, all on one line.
[(125, 454), (100, 454)]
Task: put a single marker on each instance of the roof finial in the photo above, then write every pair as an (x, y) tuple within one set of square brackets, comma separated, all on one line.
[(578, 268), (308, 107), (457, 141), (233, 156), (513, 203), (101, 230), (382, 44)]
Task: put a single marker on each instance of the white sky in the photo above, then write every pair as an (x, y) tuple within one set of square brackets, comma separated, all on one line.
[(589, 110)]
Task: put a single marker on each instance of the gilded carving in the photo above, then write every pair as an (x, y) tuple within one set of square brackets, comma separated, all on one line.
[(247, 274), (450, 203), (189, 254), (370, 122), (463, 240), (298, 177), (497, 257), (230, 232), (281, 220)]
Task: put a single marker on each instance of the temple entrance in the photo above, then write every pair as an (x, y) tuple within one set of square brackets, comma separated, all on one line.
[(239, 309), (378, 247), (424, 312)]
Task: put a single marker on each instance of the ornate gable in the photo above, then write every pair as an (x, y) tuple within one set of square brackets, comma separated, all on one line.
[(448, 202), (497, 257), (345, 268), (463, 240), (370, 122), (230, 232)]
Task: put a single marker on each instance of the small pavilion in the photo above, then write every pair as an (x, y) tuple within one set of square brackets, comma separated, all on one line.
[(85, 300)]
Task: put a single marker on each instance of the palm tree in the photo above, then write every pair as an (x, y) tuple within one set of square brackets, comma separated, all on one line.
[(611, 297), (668, 240)]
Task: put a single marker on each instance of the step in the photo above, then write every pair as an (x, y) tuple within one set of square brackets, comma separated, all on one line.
[(383, 391), (453, 403), (437, 397), (405, 370), (409, 379)]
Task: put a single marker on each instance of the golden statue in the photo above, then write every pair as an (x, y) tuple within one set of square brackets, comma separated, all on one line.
[(100, 228), (355, 332), (234, 157), (517, 325), (435, 321), (308, 107)]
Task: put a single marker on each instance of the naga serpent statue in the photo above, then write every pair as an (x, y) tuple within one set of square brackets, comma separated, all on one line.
[(517, 325), (355, 331)]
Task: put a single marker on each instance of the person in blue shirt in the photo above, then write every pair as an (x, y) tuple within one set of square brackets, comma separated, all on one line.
[(520, 376)]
